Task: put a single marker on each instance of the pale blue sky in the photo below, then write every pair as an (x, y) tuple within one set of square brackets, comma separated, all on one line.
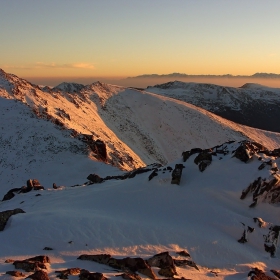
[(128, 38)]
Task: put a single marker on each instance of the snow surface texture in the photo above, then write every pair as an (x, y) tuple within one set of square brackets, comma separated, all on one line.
[(252, 104), (138, 217), (133, 217)]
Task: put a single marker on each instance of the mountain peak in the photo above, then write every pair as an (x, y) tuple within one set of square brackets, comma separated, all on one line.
[(68, 87)]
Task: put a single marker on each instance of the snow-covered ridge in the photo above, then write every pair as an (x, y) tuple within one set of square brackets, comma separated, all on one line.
[(137, 127), (252, 104)]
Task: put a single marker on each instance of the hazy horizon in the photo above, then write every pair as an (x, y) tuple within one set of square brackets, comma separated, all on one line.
[(145, 82), (122, 38)]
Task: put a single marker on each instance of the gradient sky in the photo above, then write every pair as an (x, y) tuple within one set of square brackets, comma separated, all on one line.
[(119, 38)]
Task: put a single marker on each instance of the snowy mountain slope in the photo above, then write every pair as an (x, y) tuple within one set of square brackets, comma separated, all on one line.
[(71, 111), (31, 147), (138, 127), (167, 127), (252, 104), (139, 218)]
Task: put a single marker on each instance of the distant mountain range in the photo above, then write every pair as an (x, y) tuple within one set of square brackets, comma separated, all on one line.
[(252, 104), (182, 75)]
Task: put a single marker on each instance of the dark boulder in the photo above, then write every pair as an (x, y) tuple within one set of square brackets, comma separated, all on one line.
[(32, 264), (5, 215), (10, 194), (63, 274), (203, 156), (165, 262), (177, 174), (29, 266), (153, 174), (203, 160), (94, 178)]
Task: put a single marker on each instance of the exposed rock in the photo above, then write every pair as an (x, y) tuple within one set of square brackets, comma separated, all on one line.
[(63, 274), (9, 261), (29, 266), (264, 190), (264, 164), (247, 149), (244, 237), (94, 178), (5, 215), (261, 223), (97, 146), (99, 258), (272, 240), (32, 264), (86, 275), (10, 194), (15, 273), (48, 248), (126, 264), (187, 154), (129, 276), (177, 174), (39, 275), (257, 274), (183, 253), (185, 262), (42, 259), (153, 174), (276, 273), (203, 160)]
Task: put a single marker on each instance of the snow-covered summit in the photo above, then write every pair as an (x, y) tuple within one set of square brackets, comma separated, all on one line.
[(68, 87)]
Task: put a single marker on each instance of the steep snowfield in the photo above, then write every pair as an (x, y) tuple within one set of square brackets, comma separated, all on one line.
[(32, 147)]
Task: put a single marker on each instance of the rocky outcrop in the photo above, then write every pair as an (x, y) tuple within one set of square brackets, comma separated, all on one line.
[(203, 160), (264, 190), (86, 275), (177, 174), (95, 179), (63, 274), (96, 146), (127, 264), (5, 215), (272, 240), (31, 184), (39, 275), (247, 149), (276, 273), (257, 274), (165, 262), (32, 264)]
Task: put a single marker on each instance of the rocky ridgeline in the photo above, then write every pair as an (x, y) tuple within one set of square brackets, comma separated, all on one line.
[(262, 189), (127, 268)]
